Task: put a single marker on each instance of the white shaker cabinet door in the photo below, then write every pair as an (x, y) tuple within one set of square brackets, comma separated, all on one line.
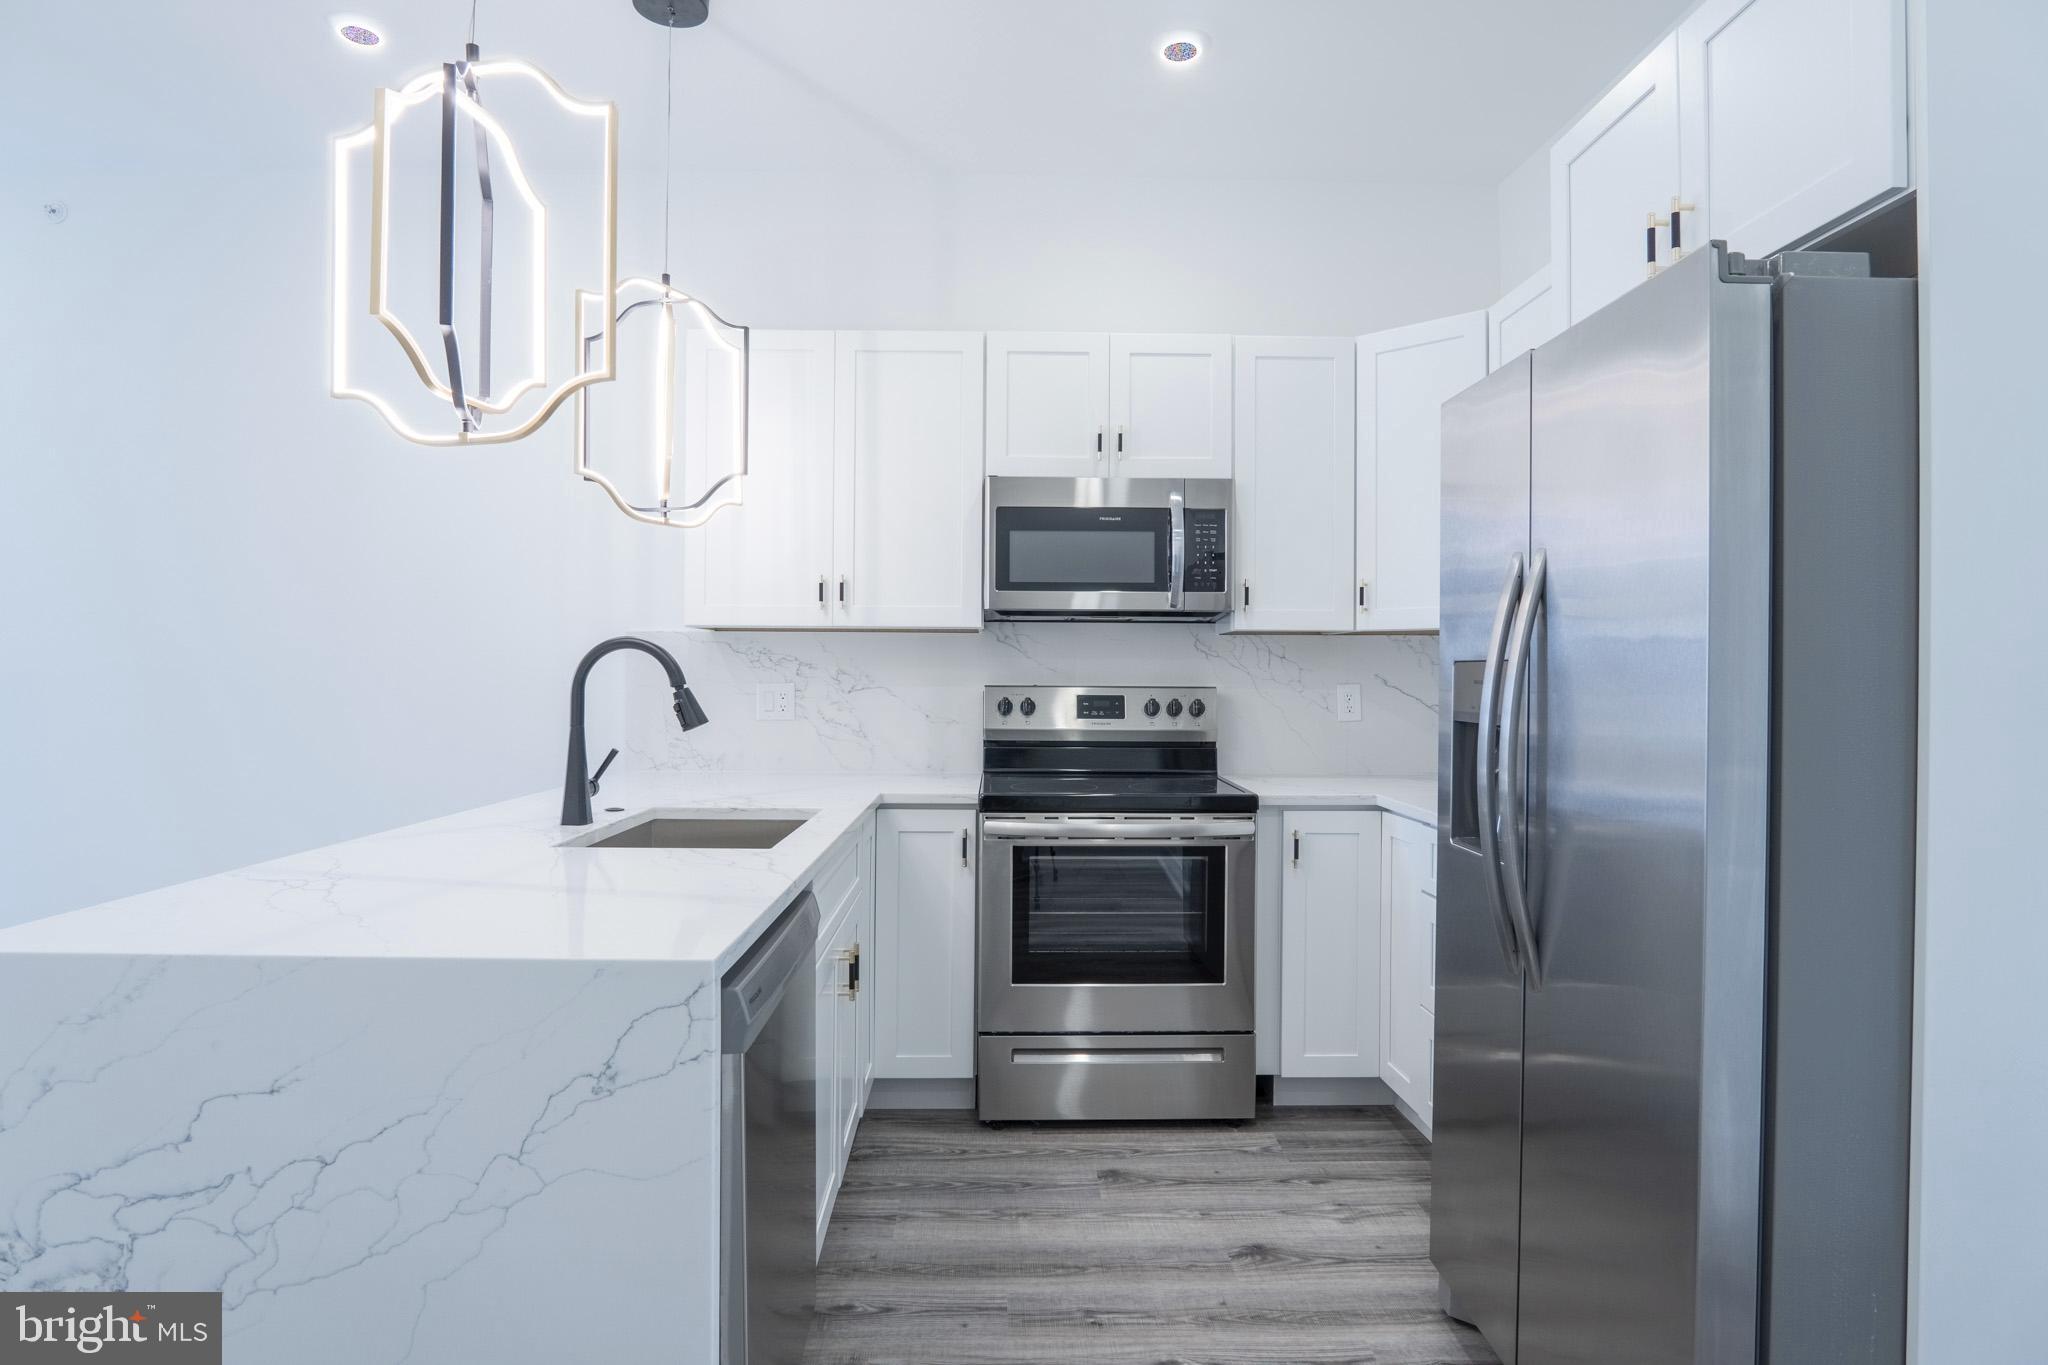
[(1169, 407), (830, 975), (1408, 1002), (1330, 975), (1291, 532), (924, 942), (1524, 319), (866, 1002), (908, 481), (767, 562), (1404, 378), (1611, 173), (1794, 115), (1048, 404)]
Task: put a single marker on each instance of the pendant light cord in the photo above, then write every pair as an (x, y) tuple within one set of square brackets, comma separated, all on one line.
[(668, 156), (472, 23)]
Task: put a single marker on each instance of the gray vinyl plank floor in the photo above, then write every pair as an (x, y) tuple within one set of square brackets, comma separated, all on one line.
[(1302, 1236)]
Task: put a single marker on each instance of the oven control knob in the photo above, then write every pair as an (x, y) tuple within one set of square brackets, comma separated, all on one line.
[(1027, 706), (1003, 707), (1196, 708), (1173, 707), (1151, 706)]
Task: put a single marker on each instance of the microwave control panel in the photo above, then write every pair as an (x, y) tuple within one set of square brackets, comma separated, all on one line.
[(1206, 571)]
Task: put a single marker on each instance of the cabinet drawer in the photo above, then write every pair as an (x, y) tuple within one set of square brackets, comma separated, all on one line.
[(838, 881)]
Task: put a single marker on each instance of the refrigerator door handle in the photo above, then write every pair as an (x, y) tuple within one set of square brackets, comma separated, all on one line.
[(1485, 757), (1514, 800)]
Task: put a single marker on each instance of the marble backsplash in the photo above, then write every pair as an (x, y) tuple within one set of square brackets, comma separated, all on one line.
[(911, 702)]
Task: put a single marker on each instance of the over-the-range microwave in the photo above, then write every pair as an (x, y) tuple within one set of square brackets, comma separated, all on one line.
[(1107, 549)]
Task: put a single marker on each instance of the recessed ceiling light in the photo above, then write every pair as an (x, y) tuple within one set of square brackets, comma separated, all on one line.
[(358, 33), (1182, 50)]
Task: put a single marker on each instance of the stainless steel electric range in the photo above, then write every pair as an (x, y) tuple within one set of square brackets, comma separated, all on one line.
[(1116, 928)]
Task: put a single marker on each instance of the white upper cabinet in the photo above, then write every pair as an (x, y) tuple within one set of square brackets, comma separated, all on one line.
[(1611, 174), (1404, 378), (1291, 532), (1169, 407), (1085, 405), (1048, 404), (768, 561), (908, 481), (1523, 320), (1794, 116), (1330, 942)]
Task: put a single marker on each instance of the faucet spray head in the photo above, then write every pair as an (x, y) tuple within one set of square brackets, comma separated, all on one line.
[(688, 714)]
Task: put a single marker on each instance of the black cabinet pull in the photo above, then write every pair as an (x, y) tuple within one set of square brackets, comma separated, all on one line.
[(1297, 847), (1677, 231), (963, 848), (1650, 241)]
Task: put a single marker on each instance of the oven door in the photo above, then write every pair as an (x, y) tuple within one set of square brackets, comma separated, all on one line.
[(1116, 924)]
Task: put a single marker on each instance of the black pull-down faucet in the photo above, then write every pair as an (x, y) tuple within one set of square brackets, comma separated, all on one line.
[(576, 782)]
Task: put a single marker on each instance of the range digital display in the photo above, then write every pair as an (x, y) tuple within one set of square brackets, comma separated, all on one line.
[(1099, 706)]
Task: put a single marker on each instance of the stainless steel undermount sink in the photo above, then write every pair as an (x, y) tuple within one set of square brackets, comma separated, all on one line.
[(712, 830)]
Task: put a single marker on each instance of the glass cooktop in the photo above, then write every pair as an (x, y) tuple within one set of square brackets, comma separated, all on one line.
[(1048, 793)]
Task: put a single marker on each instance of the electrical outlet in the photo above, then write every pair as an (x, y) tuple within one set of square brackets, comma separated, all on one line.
[(1348, 701), (775, 701)]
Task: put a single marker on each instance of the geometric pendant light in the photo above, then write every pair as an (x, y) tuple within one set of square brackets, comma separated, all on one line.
[(680, 407), (464, 262)]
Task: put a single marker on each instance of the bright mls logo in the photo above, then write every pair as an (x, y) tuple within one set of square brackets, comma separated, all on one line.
[(165, 1329)]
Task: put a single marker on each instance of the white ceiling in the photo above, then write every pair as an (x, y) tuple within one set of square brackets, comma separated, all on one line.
[(1440, 90)]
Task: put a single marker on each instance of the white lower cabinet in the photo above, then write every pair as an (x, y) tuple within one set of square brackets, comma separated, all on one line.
[(1408, 947), (1330, 943), (924, 944), (845, 1034)]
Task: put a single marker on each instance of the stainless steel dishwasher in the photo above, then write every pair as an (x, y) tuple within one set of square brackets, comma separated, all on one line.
[(768, 1195)]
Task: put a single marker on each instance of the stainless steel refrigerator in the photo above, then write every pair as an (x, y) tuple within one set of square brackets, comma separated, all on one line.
[(1675, 868)]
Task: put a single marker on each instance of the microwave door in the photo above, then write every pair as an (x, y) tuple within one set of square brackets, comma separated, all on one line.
[(1065, 553)]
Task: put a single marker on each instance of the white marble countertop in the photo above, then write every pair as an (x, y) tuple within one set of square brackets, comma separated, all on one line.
[(495, 883), (1412, 797)]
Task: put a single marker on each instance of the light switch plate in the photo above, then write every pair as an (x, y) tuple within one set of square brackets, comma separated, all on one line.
[(775, 701), (1348, 702)]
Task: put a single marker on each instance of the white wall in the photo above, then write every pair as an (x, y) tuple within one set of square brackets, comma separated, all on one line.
[(1980, 1200), (905, 249), (1522, 209), (244, 619), (240, 617)]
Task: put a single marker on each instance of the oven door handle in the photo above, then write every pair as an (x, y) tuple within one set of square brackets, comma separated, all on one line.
[(1121, 830)]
